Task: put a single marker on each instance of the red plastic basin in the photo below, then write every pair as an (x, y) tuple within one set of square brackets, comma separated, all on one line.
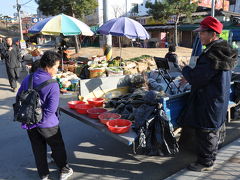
[(95, 112), (72, 104), (97, 102), (82, 108), (119, 125), (105, 117)]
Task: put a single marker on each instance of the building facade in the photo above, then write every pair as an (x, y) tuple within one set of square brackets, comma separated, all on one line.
[(234, 6), (116, 9), (162, 35)]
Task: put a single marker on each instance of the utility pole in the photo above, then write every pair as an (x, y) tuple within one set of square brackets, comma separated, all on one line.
[(126, 8), (108, 38), (77, 49), (213, 8), (20, 20)]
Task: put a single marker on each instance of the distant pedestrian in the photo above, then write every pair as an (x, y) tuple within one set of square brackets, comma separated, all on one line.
[(172, 58), (1, 44), (11, 55), (48, 130), (208, 101)]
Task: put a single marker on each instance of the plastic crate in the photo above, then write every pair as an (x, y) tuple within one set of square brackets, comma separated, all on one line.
[(173, 106)]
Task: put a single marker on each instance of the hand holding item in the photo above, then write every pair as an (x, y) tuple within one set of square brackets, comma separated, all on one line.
[(10, 48), (66, 84), (184, 63), (182, 81)]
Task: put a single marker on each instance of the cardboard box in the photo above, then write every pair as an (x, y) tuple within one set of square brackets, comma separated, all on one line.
[(142, 67), (71, 68)]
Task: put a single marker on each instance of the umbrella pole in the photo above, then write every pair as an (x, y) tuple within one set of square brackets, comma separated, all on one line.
[(62, 61), (120, 50)]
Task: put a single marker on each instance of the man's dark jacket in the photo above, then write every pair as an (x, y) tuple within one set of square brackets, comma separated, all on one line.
[(13, 57), (210, 80)]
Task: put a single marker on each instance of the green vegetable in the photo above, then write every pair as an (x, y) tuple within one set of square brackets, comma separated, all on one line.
[(139, 58)]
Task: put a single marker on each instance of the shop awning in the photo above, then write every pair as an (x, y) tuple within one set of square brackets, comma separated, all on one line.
[(2, 36), (94, 28), (191, 27), (188, 27), (159, 27)]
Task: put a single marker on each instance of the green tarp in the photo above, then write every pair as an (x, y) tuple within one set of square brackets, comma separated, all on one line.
[(191, 27)]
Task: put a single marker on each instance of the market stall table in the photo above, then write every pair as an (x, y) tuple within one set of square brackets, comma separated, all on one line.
[(126, 138)]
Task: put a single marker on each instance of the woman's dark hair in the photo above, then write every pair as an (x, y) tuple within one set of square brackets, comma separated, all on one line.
[(49, 59), (172, 48), (35, 66)]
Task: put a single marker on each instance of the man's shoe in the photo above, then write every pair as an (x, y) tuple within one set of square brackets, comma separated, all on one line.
[(66, 173), (199, 168), (45, 178), (14, 89)]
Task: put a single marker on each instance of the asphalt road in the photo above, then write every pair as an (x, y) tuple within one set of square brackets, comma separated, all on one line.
[(91, 154)]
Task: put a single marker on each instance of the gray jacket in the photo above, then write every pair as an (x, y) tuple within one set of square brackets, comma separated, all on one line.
[(13, 57)]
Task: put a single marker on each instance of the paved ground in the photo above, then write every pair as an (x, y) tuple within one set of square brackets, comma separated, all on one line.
[(131, 52), (91, 154), (227, 166)]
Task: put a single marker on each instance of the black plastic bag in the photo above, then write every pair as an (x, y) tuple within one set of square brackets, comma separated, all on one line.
[(165, 140), (155, 136)]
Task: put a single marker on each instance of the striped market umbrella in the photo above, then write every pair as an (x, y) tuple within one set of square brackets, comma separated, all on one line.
[(61, 24)]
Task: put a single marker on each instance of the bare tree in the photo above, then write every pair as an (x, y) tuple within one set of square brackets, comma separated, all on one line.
[(117, 10)]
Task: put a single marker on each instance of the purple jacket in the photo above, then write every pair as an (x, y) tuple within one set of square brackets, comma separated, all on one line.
[(49, 98)]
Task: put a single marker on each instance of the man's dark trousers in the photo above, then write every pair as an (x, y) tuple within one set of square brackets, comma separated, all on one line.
[(13, 75), (207, 146)]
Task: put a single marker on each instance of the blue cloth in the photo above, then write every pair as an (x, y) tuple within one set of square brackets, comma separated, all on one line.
[(197, 47), (209, 95), (49, 96)]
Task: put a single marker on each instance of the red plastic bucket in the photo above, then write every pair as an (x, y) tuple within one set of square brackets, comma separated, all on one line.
[(119, 125), (98, 102), (95, 112), (105, 117), (82, 108), (72, 104)]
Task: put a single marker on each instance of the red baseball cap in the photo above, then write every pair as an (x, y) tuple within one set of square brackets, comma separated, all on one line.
[(210, 23)]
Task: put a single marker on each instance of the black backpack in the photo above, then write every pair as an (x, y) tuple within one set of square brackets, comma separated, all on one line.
[(27, 108)]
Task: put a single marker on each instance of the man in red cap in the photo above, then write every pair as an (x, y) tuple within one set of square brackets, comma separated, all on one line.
[(210, 90)]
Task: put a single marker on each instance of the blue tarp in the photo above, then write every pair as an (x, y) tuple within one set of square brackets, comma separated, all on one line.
[(197, 47), (236, 34)]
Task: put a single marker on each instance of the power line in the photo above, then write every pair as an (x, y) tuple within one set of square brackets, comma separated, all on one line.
[(30, 7), (26, 3)]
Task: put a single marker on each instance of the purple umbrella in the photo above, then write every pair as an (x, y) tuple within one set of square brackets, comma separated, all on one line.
[(124, 26)]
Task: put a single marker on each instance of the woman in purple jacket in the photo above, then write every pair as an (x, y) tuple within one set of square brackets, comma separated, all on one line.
[(47, 131)]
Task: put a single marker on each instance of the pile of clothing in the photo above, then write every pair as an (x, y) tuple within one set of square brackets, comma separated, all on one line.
[(154, 130), (155, 82)]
